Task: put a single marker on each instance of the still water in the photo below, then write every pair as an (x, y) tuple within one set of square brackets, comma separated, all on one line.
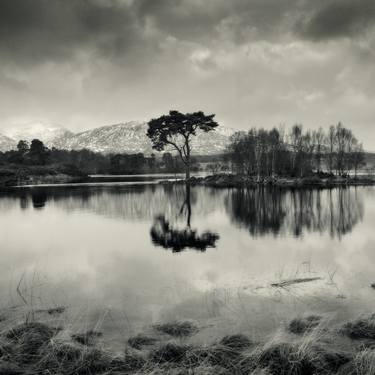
[(122, 257)]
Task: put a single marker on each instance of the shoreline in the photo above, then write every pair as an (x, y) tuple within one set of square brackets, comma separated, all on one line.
[(33, 175), (25, 177), (240, 181)]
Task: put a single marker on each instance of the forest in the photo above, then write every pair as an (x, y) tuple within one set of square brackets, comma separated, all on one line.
[(296, 153), (86, 161)]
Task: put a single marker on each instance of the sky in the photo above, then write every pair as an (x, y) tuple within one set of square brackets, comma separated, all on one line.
[(87, 63)]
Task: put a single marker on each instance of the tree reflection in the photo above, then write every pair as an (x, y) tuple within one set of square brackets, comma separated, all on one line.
[(273, 210), (164, 234), (39, 198)]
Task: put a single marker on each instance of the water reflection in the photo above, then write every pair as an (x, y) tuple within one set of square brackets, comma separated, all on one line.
[(38, 197), (279, 211), (262, 211), (165, 235)]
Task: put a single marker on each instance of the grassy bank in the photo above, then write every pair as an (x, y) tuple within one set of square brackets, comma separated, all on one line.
[(307, 345), (13, 174)]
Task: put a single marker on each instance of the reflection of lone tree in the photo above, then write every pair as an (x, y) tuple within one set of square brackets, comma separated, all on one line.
[(163, 234), (176, 130)]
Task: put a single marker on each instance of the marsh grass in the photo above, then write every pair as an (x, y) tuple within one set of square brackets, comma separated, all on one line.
[(36, 348), (87, 338), (304, 324), (177, 329), (141, 340), (364, 362), (360, 328)]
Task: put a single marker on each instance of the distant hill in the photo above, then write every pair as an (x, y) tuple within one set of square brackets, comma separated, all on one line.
[(6, 143), (129, 137)]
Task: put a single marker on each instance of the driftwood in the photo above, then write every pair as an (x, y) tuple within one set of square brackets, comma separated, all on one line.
[(289, 282)]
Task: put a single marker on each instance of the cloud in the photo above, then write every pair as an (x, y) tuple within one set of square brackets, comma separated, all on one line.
[(35, 31), (338, 19)]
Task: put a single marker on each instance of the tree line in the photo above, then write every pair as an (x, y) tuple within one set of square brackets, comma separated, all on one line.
[(297, 152), (36, 153)]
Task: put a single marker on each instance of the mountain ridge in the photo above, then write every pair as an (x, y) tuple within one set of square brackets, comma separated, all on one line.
[(124, 137)]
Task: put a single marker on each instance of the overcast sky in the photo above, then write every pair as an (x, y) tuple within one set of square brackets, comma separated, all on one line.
[(86, 63)]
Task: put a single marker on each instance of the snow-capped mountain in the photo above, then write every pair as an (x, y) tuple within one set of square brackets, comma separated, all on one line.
[(6, 143), (129, 137), (47, 133)]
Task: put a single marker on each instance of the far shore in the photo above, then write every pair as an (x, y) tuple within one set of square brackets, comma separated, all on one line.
[(11, 176), (225, 180), (40, 175)]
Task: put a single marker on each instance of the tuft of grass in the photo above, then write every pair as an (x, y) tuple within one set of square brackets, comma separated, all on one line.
[(177, 329), (139, 341), (287, 358), (169, 353), (218, 356), (236, 342), (69, 359), (364, 362), (224, 357), (327, 360), (361, 328), (86, 338), (25, 330), (284, 359), (130, 362), (28, 338), (302, 325), (7, 368), (197, 356)]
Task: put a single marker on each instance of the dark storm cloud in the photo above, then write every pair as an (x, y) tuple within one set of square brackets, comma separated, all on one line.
[(38, 30), (200, 20), (34, 31), (338, 18)]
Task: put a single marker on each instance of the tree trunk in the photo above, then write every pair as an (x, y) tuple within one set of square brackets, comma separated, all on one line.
[(187, 177)]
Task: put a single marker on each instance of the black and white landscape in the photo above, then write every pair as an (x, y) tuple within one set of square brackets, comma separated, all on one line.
[(187, 187)]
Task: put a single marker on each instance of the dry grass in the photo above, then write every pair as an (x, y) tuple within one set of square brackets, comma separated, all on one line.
[(39, 349), (86, 338), (360, 328), (364, 362), (302, 325), (177, 329), (139, 341), (236, 342)]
